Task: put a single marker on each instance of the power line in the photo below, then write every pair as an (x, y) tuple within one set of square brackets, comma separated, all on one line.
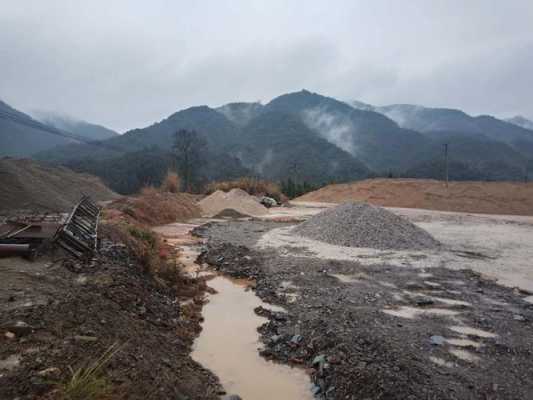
[(446, 162)]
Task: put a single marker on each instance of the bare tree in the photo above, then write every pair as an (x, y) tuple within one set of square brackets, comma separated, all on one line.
[(190, 149)]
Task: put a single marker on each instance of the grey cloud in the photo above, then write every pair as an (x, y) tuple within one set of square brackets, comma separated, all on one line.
[(126, 64)]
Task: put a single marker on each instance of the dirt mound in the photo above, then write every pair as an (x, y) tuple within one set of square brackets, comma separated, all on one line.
[(477, 197), (364, 225), (236, 199), (26, 184), (155, 207)]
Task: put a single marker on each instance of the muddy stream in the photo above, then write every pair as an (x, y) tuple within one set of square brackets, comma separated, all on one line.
[(229, 342)]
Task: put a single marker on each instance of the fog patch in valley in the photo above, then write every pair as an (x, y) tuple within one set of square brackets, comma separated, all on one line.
[(334, 128)]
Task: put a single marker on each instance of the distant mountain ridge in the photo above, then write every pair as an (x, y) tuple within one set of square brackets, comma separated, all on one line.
[(23, 136), (318, 139), (69, 124)]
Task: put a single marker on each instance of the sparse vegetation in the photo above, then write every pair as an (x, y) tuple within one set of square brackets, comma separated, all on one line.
[(190, 149), (294, 189), (171, 183), (88, 383)]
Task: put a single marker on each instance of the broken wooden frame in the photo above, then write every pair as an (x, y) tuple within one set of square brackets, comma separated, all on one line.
[(79, 235)]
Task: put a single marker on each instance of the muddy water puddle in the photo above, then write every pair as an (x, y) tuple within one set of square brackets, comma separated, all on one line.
[(228, 346), (229, 341)]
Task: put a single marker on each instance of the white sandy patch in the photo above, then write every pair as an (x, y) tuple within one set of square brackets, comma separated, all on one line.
[(466, 330), (464, 355), (411, 312), (498, 246)]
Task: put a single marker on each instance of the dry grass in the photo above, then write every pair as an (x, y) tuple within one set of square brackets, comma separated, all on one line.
[(171, 183), (128, 221), (156, 207), (142, 242), (253, 186), (88, 383)]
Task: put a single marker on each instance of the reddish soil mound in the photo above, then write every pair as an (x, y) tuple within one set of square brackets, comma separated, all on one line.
[(476, 197), (154, 207)]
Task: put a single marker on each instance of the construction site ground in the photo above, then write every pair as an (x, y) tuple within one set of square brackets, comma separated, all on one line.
[(453, 323), (55, 316)]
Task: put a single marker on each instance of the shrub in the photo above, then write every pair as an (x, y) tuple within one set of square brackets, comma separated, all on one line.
[(171, 183)]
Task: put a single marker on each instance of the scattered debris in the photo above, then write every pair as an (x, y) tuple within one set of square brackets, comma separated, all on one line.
[(79, 235), (268, 202)]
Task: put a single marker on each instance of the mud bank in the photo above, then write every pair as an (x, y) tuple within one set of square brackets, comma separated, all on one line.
[(53, 318), (380, 331)]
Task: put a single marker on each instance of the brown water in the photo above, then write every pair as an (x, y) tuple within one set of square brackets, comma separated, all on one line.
[(228, 346)]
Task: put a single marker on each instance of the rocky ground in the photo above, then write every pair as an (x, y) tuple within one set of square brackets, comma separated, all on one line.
[(382, 331), (57, 316)]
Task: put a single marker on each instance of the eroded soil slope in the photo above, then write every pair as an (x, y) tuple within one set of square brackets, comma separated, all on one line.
[(26, 184), (57, 316)]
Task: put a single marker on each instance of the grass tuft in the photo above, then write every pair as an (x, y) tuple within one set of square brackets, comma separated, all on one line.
[(88, 383)]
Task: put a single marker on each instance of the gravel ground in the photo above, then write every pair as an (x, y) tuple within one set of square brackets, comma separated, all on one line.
[(383, 332), (364, 225)]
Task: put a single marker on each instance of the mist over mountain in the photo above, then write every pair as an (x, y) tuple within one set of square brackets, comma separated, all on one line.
[(369, 136), (22, 136), (521, 122), (278, 145), (241, 113), (73, 125), (428, 120)]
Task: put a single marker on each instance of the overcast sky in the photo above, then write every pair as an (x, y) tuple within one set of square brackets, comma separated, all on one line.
[(127, 64)]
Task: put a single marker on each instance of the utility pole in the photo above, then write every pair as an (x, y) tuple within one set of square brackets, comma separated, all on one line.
[(446, 162)]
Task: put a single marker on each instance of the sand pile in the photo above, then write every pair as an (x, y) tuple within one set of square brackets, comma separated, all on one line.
[(364, 225), (236, 199)]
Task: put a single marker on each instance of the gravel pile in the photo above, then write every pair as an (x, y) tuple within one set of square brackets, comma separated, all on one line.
[(364, 225), (236, 199)]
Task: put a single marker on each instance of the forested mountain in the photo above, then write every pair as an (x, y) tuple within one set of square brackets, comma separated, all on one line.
[(424, 119), (220, 134), (369, 136), (131, 171), (79, 127), (241, 113), (309, 138), (21, 136), (277, 146)]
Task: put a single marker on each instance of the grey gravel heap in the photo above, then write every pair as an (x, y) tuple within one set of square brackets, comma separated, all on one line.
[(364, 225)]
